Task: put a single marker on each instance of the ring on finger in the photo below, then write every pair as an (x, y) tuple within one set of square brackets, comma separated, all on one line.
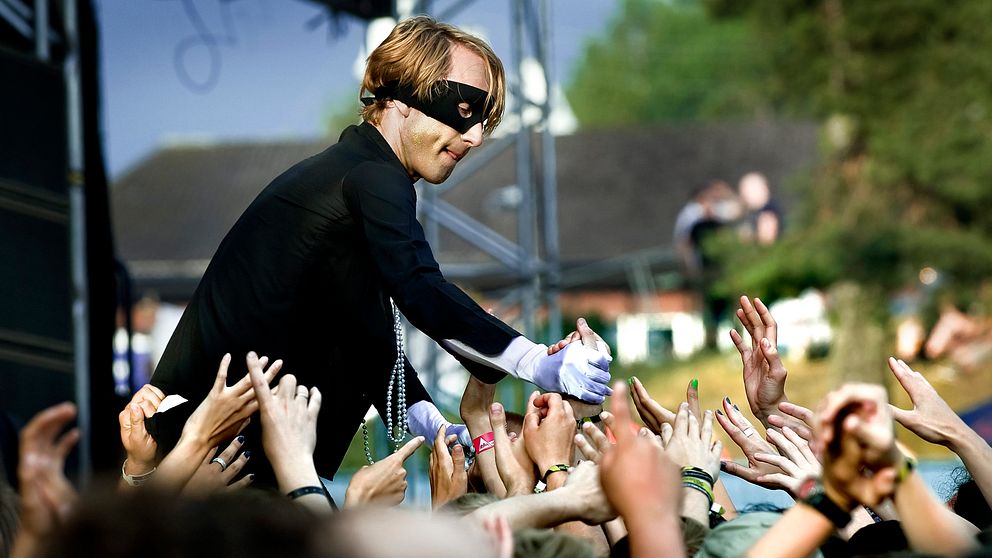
[(302, 392), (749, 431), (220, 461)]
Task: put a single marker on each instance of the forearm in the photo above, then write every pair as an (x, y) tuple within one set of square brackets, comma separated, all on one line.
[(800, 531), (655, 533), (485, 461), (695, 505), (976, 455), (930, 526), (538, 511), (180, 464)]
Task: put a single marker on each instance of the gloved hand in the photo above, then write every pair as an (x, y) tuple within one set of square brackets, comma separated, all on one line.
[(424, 419), (575, 370)]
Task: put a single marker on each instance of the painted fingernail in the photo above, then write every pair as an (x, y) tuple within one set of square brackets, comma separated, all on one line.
[(727, 399), (248, 454), (630, 381), (241, 439), (719, 412), (694, 383), (736, 408), (251, 476)]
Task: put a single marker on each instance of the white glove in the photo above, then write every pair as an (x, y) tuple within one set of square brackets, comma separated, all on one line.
[(424, 419)]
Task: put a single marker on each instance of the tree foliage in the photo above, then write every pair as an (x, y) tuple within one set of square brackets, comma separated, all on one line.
[(905, 179), (664, 61)]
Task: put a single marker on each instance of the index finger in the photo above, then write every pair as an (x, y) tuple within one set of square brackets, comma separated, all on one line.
[(409, 448), (621, 413), (263, 394), (220, 382), (151, 393)]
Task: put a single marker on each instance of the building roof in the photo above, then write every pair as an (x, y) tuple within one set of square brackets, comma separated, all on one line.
[(618, 191)]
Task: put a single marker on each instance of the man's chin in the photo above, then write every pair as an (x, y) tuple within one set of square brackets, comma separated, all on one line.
[(438, 177)]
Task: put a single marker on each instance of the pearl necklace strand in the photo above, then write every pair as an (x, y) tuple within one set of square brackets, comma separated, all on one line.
[(397, 383)]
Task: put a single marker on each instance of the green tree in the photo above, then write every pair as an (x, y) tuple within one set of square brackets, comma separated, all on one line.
[(665, 61), (905, 178)]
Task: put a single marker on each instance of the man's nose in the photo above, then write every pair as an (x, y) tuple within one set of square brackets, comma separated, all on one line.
[(473, 136)]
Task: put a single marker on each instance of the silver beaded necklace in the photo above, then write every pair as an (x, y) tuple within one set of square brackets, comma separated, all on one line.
[(397, 382)]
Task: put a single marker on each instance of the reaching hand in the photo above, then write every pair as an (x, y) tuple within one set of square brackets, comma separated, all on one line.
[(215, 475), (225, 410), (515, 467), (691, 444), (383, 482), (652, 413), (801, 421), (46, 494), (750, 441), (930, 418), (854, 435), (549, 430), (581, 370), (635, 474), (764, 374), (592, 442), (796, 460), (289, 426), (447, 471), (138, 443)]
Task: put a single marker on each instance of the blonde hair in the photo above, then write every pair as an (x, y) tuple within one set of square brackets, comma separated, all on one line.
[(417, 52)]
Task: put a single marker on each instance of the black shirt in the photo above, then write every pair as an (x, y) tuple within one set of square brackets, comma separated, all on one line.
[(305, 275)]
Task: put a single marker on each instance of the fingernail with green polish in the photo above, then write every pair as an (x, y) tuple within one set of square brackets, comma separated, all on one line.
[(694, 383), (630, 381)]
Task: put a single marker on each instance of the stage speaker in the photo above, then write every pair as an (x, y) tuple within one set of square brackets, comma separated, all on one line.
[(36, 345)]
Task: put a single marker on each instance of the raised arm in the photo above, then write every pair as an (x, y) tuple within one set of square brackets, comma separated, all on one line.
[(932, 419)]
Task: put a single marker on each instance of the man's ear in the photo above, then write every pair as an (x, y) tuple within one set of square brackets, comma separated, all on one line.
[(401, 106)]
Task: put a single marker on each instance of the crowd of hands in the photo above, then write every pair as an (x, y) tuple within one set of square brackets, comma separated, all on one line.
[(623, 484)]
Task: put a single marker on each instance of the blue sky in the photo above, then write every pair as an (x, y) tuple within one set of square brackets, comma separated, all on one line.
[(274, 78)]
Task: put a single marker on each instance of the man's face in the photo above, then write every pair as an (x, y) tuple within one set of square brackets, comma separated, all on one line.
[(430, 149)]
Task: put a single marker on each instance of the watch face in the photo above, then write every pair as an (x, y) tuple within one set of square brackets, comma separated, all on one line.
[(807, 488)]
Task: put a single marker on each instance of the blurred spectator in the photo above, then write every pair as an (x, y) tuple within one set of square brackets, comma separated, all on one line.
[(762, 219)]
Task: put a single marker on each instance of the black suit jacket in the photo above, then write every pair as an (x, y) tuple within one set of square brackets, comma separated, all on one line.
[(305, 275)]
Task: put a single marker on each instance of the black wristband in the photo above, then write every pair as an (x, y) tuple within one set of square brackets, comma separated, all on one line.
[(813, 495), (305, 491), (554, 469)]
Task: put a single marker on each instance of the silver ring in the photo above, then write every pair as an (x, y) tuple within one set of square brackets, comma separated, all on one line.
[(749, 431), (220, 461), (305, 394)]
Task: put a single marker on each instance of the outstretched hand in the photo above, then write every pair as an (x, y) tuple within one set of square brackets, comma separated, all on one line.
[(225, 410), (46, 493), (764, 373), (383, 482), (581, 370), (448, 477), (289, 425), (515, 467), (931, 418)]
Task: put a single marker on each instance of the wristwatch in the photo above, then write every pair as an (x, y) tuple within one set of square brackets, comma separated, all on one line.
[(812, 493)]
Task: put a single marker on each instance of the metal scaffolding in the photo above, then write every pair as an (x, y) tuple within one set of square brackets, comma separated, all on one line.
[(531, 261)]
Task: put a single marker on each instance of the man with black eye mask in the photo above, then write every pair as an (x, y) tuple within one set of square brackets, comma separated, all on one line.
[(317, 269)]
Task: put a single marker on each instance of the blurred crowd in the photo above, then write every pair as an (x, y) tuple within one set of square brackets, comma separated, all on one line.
[(561, 478)]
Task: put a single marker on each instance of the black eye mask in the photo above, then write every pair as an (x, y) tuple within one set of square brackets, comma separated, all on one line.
[(444, 106)]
